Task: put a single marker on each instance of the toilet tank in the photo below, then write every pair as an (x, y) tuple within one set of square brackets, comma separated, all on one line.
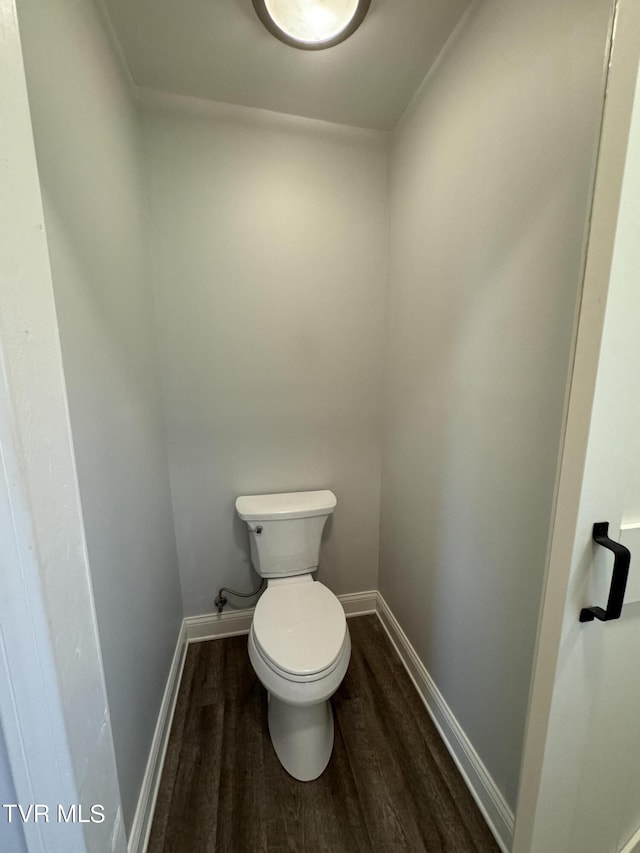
[(285, 530)]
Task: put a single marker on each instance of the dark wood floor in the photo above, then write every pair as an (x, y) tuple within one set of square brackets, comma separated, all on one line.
[(390, 784)]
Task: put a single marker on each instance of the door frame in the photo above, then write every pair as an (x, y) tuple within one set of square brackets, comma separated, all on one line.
[(53, 703), (621, 83)]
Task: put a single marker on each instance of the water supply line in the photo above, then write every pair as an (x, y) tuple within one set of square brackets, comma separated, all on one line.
[(221, 599)]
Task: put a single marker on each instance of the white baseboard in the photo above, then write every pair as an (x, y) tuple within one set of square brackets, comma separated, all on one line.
[(215, 626), (484, 791), (359, 603), (633, 844), (212, 626), (141, 828)]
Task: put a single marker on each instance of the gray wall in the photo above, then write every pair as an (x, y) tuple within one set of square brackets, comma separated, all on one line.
[(87, 142), (490, 178), (269, 237)]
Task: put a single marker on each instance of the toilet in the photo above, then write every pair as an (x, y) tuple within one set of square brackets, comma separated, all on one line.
[(299, 644)]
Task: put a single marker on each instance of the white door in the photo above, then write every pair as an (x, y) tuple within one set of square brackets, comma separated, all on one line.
[(580, 782)]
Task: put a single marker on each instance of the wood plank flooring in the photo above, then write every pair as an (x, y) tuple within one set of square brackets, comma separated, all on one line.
[(390, 785)]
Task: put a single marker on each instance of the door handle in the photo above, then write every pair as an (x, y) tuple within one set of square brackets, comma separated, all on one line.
[(621, 562)]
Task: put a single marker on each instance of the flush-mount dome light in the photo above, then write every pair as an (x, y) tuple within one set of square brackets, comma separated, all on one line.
[(311, 24)]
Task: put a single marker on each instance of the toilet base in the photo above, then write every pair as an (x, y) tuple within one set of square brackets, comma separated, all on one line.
[(302, 737)]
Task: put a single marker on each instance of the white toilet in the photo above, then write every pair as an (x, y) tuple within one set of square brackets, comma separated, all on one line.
[(299, 643)]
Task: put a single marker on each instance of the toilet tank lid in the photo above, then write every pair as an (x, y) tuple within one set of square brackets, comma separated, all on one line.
[(288, 505)]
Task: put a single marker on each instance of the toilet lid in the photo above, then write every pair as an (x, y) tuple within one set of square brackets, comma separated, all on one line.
[(300, 627)]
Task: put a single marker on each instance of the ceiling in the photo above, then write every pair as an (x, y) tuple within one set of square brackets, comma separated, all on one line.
[(219, 50)]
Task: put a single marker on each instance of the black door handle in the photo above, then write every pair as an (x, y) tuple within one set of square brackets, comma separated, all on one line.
[(621, 562)]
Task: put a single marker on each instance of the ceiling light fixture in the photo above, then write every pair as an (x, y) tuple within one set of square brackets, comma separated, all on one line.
[(311, 24)]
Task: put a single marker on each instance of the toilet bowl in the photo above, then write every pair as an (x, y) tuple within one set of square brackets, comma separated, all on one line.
[(299, 643)]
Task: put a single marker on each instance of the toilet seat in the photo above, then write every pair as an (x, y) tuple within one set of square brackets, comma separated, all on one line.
[(315, 677), (300, 630)]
